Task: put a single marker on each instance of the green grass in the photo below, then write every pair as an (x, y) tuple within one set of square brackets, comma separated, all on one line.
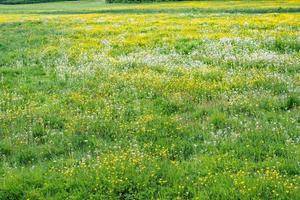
[(189, 100), (12, 2)]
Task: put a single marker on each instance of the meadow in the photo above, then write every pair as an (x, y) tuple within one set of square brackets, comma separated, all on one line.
[(178, 100)]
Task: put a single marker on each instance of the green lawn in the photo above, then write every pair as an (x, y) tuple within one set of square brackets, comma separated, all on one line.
[(186, 100)]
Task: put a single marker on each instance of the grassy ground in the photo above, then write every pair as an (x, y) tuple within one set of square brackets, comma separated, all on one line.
[(154, 101)]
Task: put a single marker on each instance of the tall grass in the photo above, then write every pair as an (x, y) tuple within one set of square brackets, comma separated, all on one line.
[(126, 104)]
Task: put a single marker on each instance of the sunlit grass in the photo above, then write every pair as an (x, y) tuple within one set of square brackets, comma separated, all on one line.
[(153, 101)]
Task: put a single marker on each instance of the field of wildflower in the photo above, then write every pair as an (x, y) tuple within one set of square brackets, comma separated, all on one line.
[(186, 100)]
